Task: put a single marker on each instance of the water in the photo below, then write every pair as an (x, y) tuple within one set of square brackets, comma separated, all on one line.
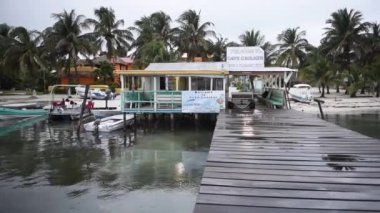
[(47, 168), (365, 123)]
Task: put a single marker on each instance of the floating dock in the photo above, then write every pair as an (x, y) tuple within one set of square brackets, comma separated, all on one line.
[(288, 161)]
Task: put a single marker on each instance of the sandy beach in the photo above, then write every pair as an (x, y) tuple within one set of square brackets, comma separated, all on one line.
[(335, 103), (13, 101), (338, 103)]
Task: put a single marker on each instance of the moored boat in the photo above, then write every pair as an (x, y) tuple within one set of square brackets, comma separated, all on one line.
[(7, 113), (66, 109), (109, 124)]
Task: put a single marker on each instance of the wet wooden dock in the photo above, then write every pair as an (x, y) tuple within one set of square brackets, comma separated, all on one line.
[(287, 161)]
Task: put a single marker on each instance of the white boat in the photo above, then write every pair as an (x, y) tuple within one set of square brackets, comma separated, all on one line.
[(109, 124), (95, 92), (301, 93)]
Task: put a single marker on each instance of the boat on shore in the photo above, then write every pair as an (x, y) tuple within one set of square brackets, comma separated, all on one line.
[(98, 92), (109, 124), (301, 93)]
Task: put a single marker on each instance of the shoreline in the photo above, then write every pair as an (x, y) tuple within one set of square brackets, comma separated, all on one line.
[(338, 103), (335, 103)]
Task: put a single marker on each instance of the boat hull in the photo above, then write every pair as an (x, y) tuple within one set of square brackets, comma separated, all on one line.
[(67, 114), (109, 124), (7, 113)]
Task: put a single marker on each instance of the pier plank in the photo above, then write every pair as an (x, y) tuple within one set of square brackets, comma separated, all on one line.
[(287, 161)]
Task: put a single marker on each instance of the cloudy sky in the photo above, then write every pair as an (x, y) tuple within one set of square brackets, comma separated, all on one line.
[(231, 17)]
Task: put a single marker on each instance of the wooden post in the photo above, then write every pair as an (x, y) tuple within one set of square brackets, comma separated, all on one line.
[(82, 108), (196, 121), (320, 107), (124, 121), (155, 93), (172, 121)]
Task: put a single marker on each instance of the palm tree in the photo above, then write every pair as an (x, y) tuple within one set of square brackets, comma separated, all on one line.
[(191, 37), (319, 71), (162, 30), (5, 43), (343, 38), (68, 38), (106, 29), (269, 53), (155, 39), (217, 49), (343, 35), (251, 38), (105, 71), (370, 43), (292, 48), (374, 69), (24, 51)]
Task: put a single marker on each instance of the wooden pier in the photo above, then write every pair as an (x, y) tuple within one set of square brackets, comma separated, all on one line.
[(288, 161)]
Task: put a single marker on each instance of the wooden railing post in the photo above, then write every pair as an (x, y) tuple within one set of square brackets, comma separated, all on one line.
[(320, 107)]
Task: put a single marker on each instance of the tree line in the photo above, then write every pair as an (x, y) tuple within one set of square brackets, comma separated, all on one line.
[(348, 54)]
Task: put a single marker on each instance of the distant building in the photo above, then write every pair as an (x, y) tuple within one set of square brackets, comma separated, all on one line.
[(86, 69)]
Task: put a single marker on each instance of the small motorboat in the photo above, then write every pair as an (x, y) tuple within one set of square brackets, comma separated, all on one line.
[(99, 92), (301, 93), (109, 124), (66, 109), (62, 112)]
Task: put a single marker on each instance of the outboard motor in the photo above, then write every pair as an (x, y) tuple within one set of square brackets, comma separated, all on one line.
[(96, 124)]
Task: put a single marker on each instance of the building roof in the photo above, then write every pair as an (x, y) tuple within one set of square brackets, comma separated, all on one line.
[(117, 60), (172, 72), (221, 66), (97, 60)]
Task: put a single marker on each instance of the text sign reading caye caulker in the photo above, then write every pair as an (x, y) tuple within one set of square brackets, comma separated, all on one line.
[(245, 58)]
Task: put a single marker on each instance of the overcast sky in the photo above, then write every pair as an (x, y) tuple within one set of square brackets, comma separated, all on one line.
[(231, 17)]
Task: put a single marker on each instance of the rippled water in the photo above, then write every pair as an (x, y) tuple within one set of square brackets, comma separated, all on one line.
[(365, 123), (46, 167)]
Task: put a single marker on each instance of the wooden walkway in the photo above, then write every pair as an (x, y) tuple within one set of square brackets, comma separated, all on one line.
[(288, 161)]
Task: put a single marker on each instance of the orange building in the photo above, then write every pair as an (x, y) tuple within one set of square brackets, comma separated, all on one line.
[(85, 69)]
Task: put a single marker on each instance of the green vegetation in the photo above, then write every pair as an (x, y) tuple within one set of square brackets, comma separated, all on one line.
[(347, 56)]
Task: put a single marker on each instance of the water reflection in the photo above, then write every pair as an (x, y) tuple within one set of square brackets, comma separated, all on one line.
[(337, 158), (365, 123), (110, 165)]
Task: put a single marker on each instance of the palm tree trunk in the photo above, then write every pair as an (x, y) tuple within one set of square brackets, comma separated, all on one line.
[(76, 74), (347, 86), (362, 91), (378, 89), (68, 69), (76, 71), (337, 88), (323, 90), (328, 89)]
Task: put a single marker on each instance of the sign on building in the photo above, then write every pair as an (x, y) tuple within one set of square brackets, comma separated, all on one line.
[(245, 58), (203, 101)]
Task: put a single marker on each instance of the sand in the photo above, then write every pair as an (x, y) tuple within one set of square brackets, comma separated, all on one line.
[(338, 103)]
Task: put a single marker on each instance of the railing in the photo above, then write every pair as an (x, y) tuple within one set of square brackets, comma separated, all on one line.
[(151, 101)]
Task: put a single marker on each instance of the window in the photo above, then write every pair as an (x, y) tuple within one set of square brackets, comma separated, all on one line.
[(217, 84), (200, 83)]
